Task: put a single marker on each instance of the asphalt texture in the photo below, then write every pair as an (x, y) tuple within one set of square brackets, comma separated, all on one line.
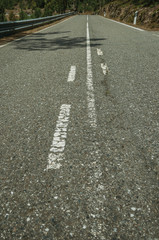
[(107, 185)]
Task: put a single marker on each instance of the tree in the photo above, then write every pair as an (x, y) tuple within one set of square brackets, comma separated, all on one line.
[(40, 3), (2, 12), (47, 11), (23, 15), (37, 13), (60, 6)]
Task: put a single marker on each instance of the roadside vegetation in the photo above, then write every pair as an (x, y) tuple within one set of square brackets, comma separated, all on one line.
[(23, 9), (12, 10), (124, 11)]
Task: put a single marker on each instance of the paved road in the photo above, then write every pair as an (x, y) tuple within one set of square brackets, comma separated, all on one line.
[(80, 133)]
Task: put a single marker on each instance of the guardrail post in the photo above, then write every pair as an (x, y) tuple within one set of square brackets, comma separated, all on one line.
[(104, 12), (135, 17)]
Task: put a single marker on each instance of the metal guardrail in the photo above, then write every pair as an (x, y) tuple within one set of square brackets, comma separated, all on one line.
[(7, 28)]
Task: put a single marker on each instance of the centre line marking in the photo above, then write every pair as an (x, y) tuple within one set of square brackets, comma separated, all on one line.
[(90, 88), (72, 74), (59, 140), (99, 52), (104, 68)]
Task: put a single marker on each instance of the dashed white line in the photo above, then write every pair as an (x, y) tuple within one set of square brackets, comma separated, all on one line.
[(72, 74), (90, 88), (104, 68), (56, 155), (99, 52)]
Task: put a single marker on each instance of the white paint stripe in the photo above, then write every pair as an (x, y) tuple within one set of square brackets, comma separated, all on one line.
[(156, 35), (59, 140), (90, 89), (18, 39), (33, 33), (126, 25), (99, 52), (4, 45), (72, 74), (55, 24), (104, 68), (95, 163)]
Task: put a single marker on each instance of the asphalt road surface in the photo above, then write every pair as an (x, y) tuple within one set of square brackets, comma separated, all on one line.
[(80, 133)]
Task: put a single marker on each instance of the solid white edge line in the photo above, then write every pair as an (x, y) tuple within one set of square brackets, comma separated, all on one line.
[(125, 25), (72, 74), (156, 35), (18, 39), (4, 45), (55, 24)]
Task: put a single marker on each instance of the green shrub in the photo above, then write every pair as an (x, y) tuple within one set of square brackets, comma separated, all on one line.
[(47, 12), (23, 15), (2, 12), (37, 13)]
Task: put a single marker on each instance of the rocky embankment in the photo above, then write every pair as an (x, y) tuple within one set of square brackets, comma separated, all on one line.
[(148, 17)]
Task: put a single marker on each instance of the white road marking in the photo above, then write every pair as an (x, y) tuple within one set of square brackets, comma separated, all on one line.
[(18, 39), (99, 52), (104, 68), (4, 45), (55, 24), (56, 154), (156, 35), (90, 88), (72, 74), (139, 29), (95, 153)]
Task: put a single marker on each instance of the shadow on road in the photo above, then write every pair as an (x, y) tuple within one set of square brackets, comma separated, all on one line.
[(44, 42)]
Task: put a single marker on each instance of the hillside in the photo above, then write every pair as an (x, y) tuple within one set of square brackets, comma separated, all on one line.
[(23, 9), (121, 10), (148, 12)]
